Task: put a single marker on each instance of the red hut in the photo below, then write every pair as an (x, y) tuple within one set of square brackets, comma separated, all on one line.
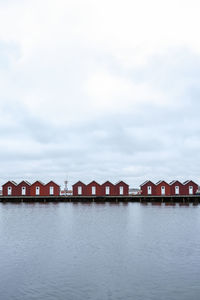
[(93, 189), (176, 188), (9, 188), (162, 188), (38, 189), (121, 189), (190, 187), (107, 189), (79, 189), (148, 188), (23, 188), (52, 189)]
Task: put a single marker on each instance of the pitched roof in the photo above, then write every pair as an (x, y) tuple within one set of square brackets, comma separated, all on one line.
[(189, 181), (93, 181), (106, 182), (38, 182), (51, 181), (120, 181), (78, 182), (147, 182), (10, 181), (161, 181), (174, 181), (27, 182)]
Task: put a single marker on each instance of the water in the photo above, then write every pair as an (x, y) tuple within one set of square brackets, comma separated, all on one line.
[(99, 251)]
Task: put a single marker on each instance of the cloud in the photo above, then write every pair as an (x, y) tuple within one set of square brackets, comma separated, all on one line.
[(99, 90)]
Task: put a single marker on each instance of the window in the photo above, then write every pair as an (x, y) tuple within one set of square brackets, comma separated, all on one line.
[(51, 190), (177, 190), (190, 190), (121, 190), (107, 190), (9, 191), (79, 190), (162, 190), (149, 190), (24, 190), (93, 190), (37, 190)]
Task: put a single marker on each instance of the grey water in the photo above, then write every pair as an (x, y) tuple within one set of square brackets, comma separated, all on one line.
[(99, 251)]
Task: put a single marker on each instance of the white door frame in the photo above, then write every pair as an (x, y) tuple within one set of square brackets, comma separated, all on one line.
[(80, 190), (163, 190), (9, 190), (177, 190), (37, 190), (191, 190), (51, 190), (94, 190), (23, 191), (149, 189), (107, 188)]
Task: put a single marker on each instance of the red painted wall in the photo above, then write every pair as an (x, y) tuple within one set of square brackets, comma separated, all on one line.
[(56, 189), (186, 187), (89, 189), (117, 188), (181, 188), (167, 188), (5, 189), (19, 188), (112, 188), (33, 189), (75, 189), (144, 188)]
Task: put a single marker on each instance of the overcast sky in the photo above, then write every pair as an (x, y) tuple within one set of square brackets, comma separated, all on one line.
[(99, 89)]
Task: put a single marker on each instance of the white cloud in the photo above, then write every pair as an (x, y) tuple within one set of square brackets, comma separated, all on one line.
[(99, 89)]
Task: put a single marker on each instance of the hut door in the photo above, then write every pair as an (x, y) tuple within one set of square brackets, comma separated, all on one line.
[(51, 190), (190, 190), (93, 190), (23, 190), (79, 190), (37, 190), (177, 190), (107, 190), (9, 191), (121, 190), (163, 190), (149, 190)]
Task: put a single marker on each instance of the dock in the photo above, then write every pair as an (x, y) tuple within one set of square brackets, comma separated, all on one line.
[(131, 198)]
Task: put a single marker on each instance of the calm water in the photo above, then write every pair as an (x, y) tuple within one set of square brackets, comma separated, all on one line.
[(99, 251)]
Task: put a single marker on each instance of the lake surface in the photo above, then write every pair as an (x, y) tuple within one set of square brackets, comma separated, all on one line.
[(99, 251)]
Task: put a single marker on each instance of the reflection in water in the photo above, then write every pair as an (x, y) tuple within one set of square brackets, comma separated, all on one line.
[(99, 251)]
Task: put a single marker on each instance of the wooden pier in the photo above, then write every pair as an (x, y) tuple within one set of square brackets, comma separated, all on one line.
[(136, 198)]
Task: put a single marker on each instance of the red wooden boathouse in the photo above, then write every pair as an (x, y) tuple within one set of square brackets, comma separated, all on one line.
[(176, 188), (148, 188), (52, 189), (79, 189), (23, 188), (121, 189), (108, 189), (190, 187), (9, 188), (38, 189), (162, 188), (93, 189)]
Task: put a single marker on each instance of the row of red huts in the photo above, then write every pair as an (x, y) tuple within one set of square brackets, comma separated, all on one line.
[(96, 189), (162, 188), (38, 188), (148, 188), (25, 188)]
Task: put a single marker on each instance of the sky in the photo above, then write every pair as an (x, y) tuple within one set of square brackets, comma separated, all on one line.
[(99, 90)]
